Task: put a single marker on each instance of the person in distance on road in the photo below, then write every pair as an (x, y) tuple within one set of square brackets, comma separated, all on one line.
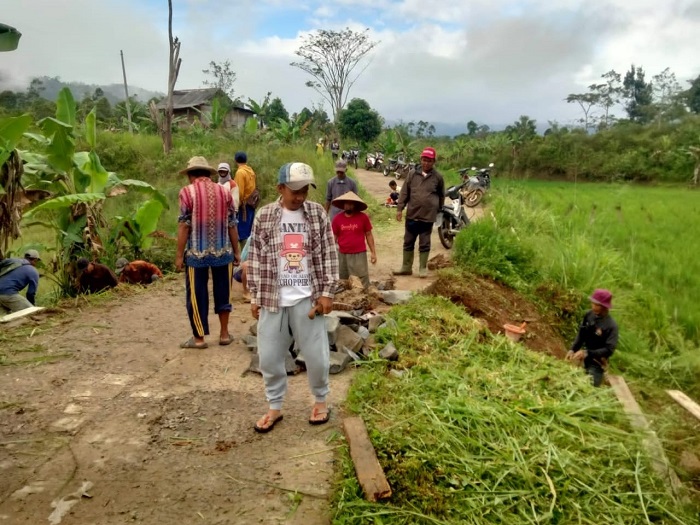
[(337, 186)]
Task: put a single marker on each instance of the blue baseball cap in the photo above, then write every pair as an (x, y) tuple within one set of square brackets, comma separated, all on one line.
[(296, 175)]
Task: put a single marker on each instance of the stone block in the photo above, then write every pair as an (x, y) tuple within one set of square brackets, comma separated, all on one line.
[(396, 296), (389, 352), (349, 339), (338, 362), (375, 322)]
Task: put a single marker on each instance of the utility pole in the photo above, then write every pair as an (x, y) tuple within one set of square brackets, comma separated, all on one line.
[(126, 91)]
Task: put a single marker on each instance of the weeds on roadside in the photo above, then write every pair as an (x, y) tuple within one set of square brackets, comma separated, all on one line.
[(479, 432)]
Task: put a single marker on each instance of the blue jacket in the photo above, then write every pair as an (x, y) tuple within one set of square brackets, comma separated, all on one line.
[(26, 275)]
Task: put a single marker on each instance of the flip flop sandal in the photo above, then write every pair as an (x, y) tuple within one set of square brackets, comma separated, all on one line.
[(265, 430), (191, 344), (226, 342), (327, 412)]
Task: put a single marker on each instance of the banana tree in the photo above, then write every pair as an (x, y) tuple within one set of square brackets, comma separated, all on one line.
[(11, 191), (76, 182), (137, 230)]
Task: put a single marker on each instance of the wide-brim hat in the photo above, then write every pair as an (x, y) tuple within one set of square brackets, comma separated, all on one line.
[(602, 297), (350, 196), (198, 163)]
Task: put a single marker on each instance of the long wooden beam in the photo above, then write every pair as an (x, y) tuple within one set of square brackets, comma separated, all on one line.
[(659, 461), (684, 401), (369, 472)]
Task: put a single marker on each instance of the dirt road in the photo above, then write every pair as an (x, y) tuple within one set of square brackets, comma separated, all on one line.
[(164, 435)]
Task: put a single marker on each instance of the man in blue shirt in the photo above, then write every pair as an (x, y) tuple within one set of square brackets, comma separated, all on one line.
[(15, 275)]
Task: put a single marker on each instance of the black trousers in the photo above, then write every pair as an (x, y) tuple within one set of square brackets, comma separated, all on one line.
[(420, 230), (197, 294)]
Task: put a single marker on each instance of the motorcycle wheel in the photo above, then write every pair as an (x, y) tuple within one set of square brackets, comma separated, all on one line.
[(386, 172), (398, 175), (355, 162), (474, 198), (446, 238)]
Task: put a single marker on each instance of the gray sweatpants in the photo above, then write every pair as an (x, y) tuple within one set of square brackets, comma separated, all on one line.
[(276, 331)]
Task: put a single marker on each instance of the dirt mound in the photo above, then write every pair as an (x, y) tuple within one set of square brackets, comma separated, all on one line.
[(439, 262), (498, 305)]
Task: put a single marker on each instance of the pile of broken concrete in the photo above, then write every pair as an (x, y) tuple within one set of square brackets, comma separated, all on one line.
[(350, 327)]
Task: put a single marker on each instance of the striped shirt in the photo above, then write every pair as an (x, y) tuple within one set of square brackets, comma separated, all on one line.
[(207, 208), (267, 244)]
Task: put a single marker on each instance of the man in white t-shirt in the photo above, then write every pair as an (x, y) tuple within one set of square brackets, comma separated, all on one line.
[(292, 272)]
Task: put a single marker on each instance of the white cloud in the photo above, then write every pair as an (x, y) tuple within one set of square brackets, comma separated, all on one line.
[(438, 60)]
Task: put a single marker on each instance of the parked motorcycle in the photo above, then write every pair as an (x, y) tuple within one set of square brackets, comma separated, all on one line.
[(477, 185), (396, 166), (374, 161), (351, 156), (453, 217)]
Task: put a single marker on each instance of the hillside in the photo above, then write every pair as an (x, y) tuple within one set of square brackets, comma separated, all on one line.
[(113, 92)]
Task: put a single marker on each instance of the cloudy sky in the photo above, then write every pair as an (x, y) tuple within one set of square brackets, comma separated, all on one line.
[(446, 61)]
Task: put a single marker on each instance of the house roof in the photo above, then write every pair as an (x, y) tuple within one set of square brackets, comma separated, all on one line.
[(190, 98)]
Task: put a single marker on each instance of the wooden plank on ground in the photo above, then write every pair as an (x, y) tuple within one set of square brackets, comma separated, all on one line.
[(21, 313), (684, 401), (659, 461), (369, 472)]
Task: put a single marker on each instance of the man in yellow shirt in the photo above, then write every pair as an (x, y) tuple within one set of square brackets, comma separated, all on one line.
[(247, 185)]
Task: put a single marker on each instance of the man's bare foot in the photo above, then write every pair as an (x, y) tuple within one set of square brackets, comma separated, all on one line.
[(268, 421)]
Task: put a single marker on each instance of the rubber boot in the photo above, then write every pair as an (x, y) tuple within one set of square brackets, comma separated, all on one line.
[(407, 266), (423, 264)]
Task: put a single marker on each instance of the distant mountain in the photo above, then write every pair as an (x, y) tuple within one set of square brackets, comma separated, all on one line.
[(113, 92)]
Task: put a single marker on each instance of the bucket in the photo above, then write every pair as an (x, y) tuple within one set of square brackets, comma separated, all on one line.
[(514, 332)]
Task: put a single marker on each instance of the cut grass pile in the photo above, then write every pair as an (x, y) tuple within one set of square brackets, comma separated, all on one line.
[(480, 430)]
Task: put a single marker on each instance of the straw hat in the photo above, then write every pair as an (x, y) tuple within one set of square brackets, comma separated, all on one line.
[(350, 196), (198, 163)]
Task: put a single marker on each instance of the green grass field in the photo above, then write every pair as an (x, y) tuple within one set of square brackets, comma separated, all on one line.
[(640, 242), (641, 238)]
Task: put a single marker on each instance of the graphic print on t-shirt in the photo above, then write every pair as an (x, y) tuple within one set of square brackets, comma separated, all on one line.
[(294, 252), (294, 277)]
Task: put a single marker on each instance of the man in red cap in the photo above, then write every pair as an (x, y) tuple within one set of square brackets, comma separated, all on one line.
[(422, 195), (598, 334)]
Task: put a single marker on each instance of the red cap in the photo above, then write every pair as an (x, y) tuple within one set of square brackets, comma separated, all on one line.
[(428, 153)]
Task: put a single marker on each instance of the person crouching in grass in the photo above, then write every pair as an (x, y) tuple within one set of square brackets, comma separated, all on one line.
[(352, 229), (598, 334)]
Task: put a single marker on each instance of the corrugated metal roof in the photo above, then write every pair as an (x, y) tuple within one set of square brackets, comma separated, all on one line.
[(191, 98)]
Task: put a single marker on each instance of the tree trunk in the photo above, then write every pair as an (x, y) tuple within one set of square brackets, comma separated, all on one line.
[(173, 71)]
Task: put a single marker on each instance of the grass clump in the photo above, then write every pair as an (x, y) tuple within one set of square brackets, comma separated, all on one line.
[(480, 430)]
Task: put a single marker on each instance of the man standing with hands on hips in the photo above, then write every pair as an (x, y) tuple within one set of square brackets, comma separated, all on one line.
[(422, 195)]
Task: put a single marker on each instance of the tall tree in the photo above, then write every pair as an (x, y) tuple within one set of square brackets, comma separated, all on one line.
[(586, 101), (472, 128), (330, 57), (667, 96), (692, 95), (638, 93), (277, 111), (174, 62), (522, 129), (222, 77), (608, 94), (359, 122)]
